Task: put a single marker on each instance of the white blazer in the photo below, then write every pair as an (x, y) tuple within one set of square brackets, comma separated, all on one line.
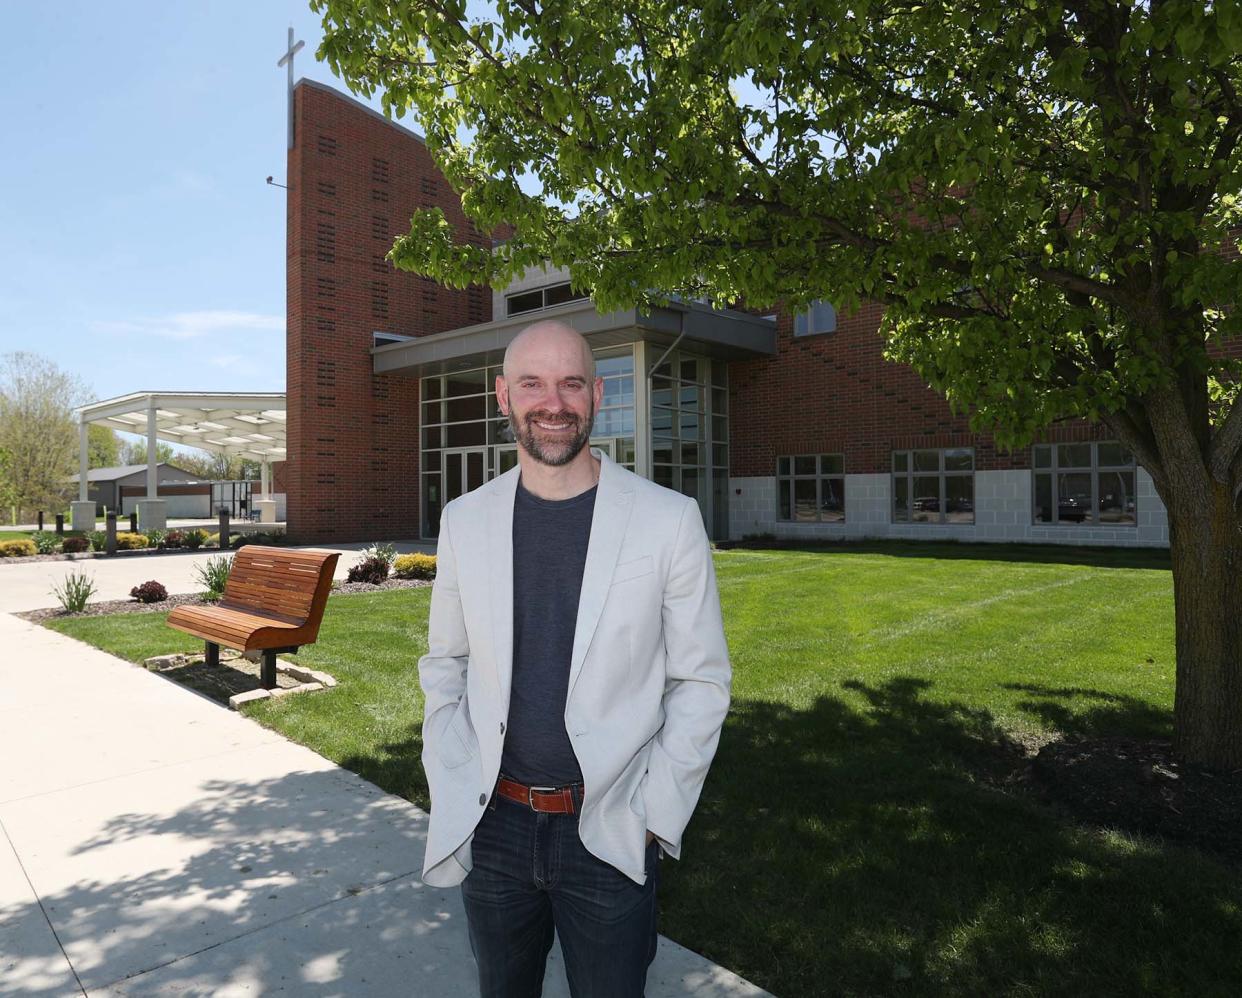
[(649, 676)]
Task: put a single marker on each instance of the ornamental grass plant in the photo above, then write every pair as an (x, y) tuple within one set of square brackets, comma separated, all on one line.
[(74, 591)]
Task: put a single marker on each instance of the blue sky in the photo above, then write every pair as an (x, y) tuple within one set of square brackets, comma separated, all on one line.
[(140, 247)]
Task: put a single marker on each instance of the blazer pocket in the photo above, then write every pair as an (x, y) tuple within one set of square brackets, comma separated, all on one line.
[(635, 569), (453, 750)]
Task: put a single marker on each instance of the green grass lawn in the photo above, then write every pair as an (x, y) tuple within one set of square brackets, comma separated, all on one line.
[(848, 841)]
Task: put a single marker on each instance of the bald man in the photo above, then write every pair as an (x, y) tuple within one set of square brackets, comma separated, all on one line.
[(576, 682)]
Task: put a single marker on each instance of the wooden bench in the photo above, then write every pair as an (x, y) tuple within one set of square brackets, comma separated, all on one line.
[(273, 602)]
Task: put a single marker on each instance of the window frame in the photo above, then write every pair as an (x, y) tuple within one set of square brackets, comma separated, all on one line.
[(807, 315), (1054, 470), (942, 476), (819, 477), (543, 292)]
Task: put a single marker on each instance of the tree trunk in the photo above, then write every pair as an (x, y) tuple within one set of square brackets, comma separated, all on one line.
[(1205, 538)]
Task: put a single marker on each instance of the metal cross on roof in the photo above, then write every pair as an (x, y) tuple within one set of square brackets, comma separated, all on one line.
[(287, 60)]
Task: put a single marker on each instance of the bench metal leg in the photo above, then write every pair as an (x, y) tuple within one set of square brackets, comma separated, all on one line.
[(213, 653), (268, 677)]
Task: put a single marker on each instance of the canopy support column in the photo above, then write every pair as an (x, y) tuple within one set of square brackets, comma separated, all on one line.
[(82, 512), (151, 514)]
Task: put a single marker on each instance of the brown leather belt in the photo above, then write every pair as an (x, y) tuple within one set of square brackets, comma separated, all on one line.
[(551, 800)]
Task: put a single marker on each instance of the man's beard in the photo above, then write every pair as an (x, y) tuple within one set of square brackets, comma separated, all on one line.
[(555, 454)]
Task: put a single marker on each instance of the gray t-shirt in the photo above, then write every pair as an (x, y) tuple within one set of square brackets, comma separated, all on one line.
[(549, 553)]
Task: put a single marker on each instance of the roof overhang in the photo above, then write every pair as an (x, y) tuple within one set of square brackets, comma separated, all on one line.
[(250, 425), (719, 333)]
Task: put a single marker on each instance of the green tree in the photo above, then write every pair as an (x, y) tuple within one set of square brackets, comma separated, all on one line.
[(214, 465), (38, 433), (103, 447), (135, 452), (1043, 195)]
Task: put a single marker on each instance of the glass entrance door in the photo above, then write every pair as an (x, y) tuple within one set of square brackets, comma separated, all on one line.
[(504, 457), (464, 469), (607, 444)]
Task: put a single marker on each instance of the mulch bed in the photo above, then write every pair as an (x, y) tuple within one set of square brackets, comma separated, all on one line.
[(105, 607), (120, 553), (1139, 786)]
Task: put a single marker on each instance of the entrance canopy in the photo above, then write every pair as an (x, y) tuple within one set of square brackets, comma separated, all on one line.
[(718, 333), (250, 425)]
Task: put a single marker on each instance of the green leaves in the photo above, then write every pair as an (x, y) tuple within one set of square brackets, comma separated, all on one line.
[(1041, 200)]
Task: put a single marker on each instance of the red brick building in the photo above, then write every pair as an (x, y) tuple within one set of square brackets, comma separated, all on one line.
[(793, 425)]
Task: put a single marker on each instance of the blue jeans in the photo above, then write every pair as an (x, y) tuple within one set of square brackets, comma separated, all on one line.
[(531, 874)]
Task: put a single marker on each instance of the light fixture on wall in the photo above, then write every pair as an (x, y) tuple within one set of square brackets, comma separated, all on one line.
[(274, 184)]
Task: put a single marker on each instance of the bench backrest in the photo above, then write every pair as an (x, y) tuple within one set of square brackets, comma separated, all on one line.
[(292, 585)]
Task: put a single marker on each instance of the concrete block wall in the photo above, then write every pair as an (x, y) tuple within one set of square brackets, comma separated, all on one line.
[(1003, 511)]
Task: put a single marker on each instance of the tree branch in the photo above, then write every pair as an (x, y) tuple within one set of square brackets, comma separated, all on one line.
[(1132, 429), (1226, 446)]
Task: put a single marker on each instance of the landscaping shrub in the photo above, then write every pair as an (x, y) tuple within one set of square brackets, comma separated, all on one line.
[(75, 545), (155, 538), (212, 541), (174, 539), (98, 539), (271, 538), (45, 541), (149, 592), (18, 549), (372, 569), (195, 539), (415, 566), (127, 541), (213, 574), (73, 593), (385, 552)]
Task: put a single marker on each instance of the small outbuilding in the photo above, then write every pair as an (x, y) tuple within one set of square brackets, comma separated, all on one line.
[(248, 424), (106, 487)]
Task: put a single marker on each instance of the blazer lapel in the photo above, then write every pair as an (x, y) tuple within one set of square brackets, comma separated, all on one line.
[(500, 555), (613, 503)]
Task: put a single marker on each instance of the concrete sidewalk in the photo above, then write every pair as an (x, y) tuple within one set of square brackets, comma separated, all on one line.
[(28, 585), (153, 842)]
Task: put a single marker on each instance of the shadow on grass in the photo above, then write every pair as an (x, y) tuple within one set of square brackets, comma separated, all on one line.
[(856, 847), (851, 846), (1043, 554), (1061, 708), (859, 846)]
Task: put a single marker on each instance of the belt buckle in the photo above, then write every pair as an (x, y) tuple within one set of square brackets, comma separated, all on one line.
[(531, 791)]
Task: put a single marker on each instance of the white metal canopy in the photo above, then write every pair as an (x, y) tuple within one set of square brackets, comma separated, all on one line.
[(251, 425)]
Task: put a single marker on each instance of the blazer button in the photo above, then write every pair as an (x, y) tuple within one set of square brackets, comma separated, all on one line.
[(482, 798)]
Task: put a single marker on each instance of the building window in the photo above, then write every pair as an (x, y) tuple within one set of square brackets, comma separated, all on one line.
[(811, 488), (821, 317), (934, 486), (531, 301), (689, 412), (1086, 483), (466, 440)]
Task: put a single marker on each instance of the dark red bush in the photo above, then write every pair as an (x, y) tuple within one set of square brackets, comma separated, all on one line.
[(372, 570), (75, 545), (149, 592), (173, 539)]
